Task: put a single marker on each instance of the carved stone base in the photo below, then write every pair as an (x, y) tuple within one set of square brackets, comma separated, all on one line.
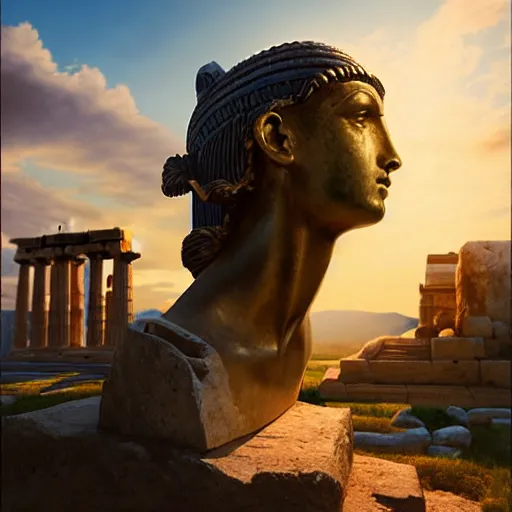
[(57, 460)]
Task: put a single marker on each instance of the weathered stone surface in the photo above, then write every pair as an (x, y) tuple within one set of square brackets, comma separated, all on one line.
[(458, 348), (495, 373), (155, 390), (477, 327), (425, 331), (331, 388), (377, 393), (441, 501), (415, 440), (484, 415), (501, 421), (377, 485), (449, 452), (354, 371), (446, 333), (501, 331), (456, 436), (371, 348), (489, 397), (483, 281), (439, 396), (455, 372), (405, 419), (401, 372), (493, 348), (458, 414), (301, 462)]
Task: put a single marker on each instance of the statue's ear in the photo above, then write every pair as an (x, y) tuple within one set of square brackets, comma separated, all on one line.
[(274, 138)]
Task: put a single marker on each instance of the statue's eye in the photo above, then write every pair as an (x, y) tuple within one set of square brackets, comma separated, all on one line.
[(362, 116)]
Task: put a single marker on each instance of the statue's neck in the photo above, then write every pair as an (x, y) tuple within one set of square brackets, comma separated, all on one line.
[(264, 280)]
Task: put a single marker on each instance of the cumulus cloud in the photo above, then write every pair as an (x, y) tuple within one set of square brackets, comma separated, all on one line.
[(76, 123), (73, 123)]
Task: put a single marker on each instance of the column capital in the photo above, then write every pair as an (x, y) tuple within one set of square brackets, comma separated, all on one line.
[(22, 257), (128, 256)]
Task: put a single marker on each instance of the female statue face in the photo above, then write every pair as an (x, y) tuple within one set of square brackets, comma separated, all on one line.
[(338, 154)]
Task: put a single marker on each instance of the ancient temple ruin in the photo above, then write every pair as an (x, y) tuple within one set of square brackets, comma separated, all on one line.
[(461, 351), (57, 319)]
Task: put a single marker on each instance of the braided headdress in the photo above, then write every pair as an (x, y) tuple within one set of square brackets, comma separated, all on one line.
[(228, 103)]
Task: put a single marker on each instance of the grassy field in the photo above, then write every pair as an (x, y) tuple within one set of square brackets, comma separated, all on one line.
[(482, 474)]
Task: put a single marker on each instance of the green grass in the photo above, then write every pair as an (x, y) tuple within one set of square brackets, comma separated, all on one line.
[(29, 397)]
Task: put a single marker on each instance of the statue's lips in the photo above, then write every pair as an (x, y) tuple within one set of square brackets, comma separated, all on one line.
[(383, 184)]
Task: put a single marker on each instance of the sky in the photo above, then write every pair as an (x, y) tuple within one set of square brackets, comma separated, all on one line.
[(96, 95)]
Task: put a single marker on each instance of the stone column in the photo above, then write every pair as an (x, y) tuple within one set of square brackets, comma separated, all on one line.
[(60, 288), (109, 313), (77, 303), (22, 300), (40, 296), (95, 312), (122, 293)]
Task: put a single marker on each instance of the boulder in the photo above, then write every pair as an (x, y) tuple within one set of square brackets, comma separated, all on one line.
[(405, 419), (458, 414), (450, 452), (415, 440), (376, 485), (446, 333), (477, 327), (57, 460), (483, 281), (485, 415), (455, 436)]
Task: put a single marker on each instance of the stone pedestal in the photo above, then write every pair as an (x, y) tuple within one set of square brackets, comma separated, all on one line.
[(77, 303), (59, 303), (95, 313), (122, 296), (40, 303), (299, 463), (22, 300)]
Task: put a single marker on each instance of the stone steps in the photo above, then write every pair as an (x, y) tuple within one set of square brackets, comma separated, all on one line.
[(331, 389)]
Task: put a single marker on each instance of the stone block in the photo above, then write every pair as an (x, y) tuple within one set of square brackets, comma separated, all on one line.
[(376, 393), (401, 372), (485, 415), (458, 373), (439, 396), (492, 348), (377, 484), (502, 332), (495, 373), (477, 327), (458, 349), (447, 333), (414, 440), (354, 371), (490, 397), (59, 461), (483, 280), (331, 388), (105, 235)]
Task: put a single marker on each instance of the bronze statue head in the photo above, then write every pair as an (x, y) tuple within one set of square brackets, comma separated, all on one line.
[(303, 118)]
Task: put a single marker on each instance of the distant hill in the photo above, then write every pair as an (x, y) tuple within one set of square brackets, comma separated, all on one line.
[(336, 333), (345, 332), (147, 313)]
